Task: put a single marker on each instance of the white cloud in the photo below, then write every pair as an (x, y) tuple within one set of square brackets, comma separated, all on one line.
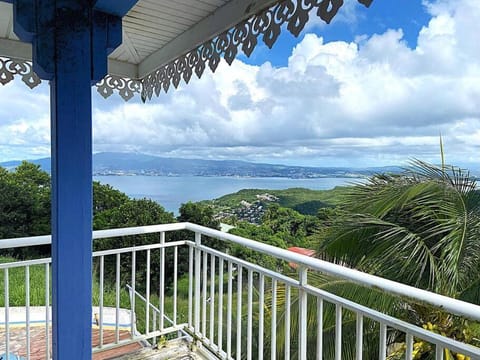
[(24, 122), (373, 101), (348, 14), (380, 96)]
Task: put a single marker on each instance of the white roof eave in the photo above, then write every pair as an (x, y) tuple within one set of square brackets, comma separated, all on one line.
[(165, 42)]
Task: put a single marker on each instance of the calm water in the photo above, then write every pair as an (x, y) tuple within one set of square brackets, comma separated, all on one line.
[(171, 192)]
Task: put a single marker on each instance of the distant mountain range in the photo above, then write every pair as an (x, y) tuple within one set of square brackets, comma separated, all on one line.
[(111, 163)]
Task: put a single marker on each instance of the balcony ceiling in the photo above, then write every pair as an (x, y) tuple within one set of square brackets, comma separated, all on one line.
[(154, 31), (166, 40)]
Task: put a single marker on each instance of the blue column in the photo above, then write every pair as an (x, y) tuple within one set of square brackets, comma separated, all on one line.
[(71, 139), (71, 40)]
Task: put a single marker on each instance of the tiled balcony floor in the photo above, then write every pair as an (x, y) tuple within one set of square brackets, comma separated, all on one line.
[(179, 349), (38, 343)]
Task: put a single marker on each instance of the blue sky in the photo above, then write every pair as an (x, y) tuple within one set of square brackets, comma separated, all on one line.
[(376, 87), (409, 15)]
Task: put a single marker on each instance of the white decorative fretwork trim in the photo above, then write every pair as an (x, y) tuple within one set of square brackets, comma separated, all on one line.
[(9, 68), (268, 23), (244, 36), (126, 87)]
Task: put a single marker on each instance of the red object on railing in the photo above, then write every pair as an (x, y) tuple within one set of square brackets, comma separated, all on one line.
[(301, 251)]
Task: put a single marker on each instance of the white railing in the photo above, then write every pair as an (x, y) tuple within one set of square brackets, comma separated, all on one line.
[(233, 308)]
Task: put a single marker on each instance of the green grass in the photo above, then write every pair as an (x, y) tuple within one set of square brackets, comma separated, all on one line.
[(17, 294), (16, 277)]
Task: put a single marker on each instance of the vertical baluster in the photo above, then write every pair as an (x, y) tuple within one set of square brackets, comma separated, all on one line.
[(212, 299), (359, 340), (117, 300), (175, 280), (287, 321), (438, 352), (302, 304), (338, 332), (249, 314), (147, 296), (409, 345), (261, 312), (47, 311), (7, 312), (154, 318), (229, 310), (161, 299), (159, 314), (239, 312), (198, 260), (27, 308), (133, 294), (100, 300), (190, 287), (220, 304), (319, 328), (274, 321), (204, 296), (382, 352)]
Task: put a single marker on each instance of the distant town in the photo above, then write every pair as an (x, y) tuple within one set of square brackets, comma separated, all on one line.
[(251, 212), (228, 172), (134, 164)]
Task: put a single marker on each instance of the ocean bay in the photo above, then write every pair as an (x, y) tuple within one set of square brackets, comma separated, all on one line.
[(172, 191)]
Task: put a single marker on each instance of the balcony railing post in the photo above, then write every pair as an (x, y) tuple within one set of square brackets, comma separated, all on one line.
[(190, 287), (100, 301), (302, 323), (220, 304), (47, 312), (27, 308), (162, 282), (7, 313), (198, 260), (132, 292)]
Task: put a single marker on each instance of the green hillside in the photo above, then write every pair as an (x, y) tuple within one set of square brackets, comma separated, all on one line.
[(305, 201)]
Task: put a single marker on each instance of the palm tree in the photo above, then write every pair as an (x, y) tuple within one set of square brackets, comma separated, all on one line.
[(422, 228)]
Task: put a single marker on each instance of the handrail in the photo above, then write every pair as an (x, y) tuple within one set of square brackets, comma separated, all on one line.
[(97, 234), (453, 306)]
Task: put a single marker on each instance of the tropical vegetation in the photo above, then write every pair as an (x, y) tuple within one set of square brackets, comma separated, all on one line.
[(420, 227)]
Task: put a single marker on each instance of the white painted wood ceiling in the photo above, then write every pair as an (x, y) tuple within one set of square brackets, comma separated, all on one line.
[(153, 23)]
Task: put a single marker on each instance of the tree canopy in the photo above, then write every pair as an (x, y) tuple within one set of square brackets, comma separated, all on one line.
[(24, 201)]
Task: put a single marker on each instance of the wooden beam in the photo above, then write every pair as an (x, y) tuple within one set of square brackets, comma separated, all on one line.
[(21, 50), (115, 7), (122, 68), (222, 19), (16, 49)]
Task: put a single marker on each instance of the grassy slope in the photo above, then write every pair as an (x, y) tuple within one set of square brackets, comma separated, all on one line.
[(16, 277), (295, 198)]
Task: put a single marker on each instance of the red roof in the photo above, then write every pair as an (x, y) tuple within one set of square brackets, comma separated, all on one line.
[(301, 251)]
